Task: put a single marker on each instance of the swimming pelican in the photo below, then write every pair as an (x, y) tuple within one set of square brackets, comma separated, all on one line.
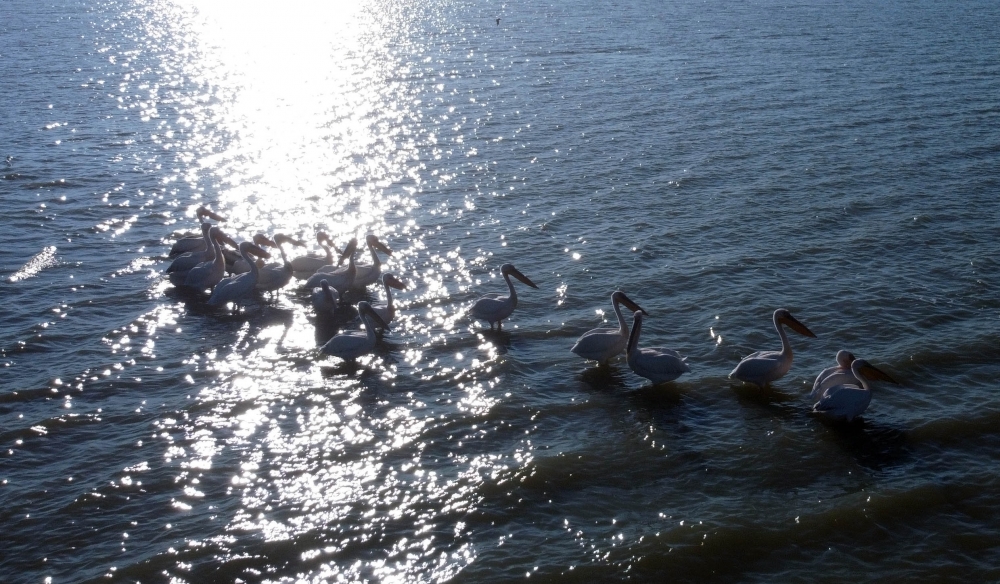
[(275, 276), (342, 280), (387, 311), (847, 401), (190, 259), (601, 344), (493, 308), (325, 299), (354, 344), (309, 263), (369, 273), (763, 367), (654, 363), (239, 287), (836, 375), (208, 273), (188, 244)]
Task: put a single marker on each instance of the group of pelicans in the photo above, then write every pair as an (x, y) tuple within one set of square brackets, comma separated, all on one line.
[(841, 392)]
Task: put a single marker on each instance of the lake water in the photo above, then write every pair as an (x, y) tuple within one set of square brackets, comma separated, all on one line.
[(714, 160)]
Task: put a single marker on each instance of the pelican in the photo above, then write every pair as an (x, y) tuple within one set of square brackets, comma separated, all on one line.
[(208, 273), (846, 401), (342, 281), (275, 276), (763, 367), (654, 363), (309, 263), (356, 343), (387, 311), (836, 375), (601, 344), (325, 299), (493, 308), (188, 244), (241, 286), (349, 251), (369, 273), (188, 260)]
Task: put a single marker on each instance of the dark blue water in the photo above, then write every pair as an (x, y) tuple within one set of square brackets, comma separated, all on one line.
[(714, 161)]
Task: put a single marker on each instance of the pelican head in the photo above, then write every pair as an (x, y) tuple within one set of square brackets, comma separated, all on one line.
[(510, 270), (782, 316), (390, 280), (373, 241), (218, 235), (620, 297), (352, 247), (845, 358), (203, 212), (861, 368), (264, 241)]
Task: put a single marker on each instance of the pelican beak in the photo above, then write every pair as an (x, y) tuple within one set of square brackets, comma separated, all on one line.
[(632, 305), (282, 238), (798, 326), (259, 252), (382, 247), (223, 238), (378, 319), (395, 282), (262, 240), (872, 372), (352, 246), (206, 212), (514, 272)]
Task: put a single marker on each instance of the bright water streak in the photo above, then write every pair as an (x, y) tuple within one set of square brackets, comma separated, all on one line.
[(714, 161)]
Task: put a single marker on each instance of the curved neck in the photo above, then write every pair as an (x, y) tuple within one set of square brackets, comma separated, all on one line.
[(861, 378), (217, 250), (284, 258), (388, 294), (510, 286), (375, 261), (369, 327), (329, 254), (633, 338), (786, 347), (206, 235), (622, 325), (253, 264)]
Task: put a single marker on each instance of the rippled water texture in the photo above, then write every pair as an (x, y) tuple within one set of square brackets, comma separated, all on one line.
[(714, 160)]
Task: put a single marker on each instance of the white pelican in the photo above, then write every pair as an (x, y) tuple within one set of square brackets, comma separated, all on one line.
[(190, 259), (309, 263), (343, 280), (188, 244), (356, 343), (387, 311), (325, 299), (601, 344), (275, 276), (241, 286), (349, 251), (208, 273), (836, 375), (369, 273), (654, 363), (846, 401), (763, 367), (493, 308)]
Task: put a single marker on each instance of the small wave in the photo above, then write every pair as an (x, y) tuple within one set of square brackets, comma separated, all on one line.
[(43, 259)]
